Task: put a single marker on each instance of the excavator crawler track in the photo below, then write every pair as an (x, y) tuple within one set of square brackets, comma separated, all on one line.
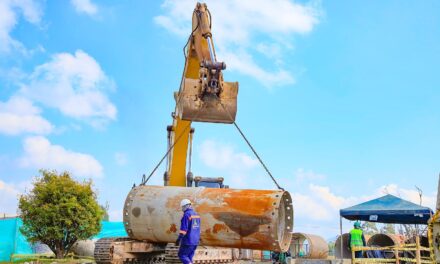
[(105, 253), (110, 251), (171, 254), (104, 250)]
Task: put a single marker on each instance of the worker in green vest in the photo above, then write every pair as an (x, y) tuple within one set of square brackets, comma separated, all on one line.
[(356, 239)]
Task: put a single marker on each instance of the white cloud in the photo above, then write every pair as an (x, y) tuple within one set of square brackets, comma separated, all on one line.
[(74, 84), (411, 195), (307, 206), (121, 158), (18, 115), (223, 156), (10, 12), (243, 62), (85, 6), (9, 193), (302, 175), (41, 154), (234, 166), (320, 203), (237, 26), (332, 200), (270, 50)]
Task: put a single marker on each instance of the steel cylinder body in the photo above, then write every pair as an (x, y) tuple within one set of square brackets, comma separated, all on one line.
[(254, 219)]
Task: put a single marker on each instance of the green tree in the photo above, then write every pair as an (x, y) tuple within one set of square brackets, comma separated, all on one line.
[(105, 215), (331, 247), (369, 228), (58, 211), (388, 229)]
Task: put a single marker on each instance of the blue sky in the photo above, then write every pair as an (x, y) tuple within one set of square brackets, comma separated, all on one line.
[(340, 98)]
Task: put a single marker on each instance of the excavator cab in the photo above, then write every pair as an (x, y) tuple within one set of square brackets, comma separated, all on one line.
[(209, 182), (204, 96)]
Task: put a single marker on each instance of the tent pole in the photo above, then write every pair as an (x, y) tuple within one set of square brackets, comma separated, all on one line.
[(340, 229), (438, 194), (418, 257)]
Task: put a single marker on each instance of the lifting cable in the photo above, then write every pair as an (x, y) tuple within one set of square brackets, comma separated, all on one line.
[(144, 181), (258, 157), (238, 128), (250, 145)]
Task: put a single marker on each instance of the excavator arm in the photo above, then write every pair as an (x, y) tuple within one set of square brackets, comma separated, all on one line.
[(203, 96)]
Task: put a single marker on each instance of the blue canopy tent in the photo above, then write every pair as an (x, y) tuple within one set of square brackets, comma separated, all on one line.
[(388, 209)]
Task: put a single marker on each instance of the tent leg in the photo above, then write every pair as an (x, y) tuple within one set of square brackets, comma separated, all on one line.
[(418, 257)]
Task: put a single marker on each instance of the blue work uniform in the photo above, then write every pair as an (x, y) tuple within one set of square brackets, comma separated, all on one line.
[(189, 235)]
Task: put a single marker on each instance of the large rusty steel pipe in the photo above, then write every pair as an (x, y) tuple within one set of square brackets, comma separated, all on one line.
[(253, 219)]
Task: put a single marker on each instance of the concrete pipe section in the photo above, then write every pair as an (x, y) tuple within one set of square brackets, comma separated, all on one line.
[(385, 240), (253, 219), (345, 253), (84, 248), (308, 246)]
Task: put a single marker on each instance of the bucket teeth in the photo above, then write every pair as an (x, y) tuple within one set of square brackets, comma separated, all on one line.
[(208, 108)]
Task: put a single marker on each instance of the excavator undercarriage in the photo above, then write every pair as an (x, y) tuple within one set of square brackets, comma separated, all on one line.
[(125, 250)]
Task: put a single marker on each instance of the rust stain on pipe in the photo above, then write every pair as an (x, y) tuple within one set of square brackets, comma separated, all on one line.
[(242, 224), (173, 229), (218, 228), (254, 219)]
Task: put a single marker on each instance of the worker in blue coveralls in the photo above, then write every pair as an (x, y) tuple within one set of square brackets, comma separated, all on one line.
[(189, 234)]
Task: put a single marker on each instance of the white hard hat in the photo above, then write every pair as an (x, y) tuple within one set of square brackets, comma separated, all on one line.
[(184, 202)]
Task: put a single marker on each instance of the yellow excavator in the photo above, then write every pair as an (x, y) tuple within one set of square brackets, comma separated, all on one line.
[(150, 211), (203, 96)]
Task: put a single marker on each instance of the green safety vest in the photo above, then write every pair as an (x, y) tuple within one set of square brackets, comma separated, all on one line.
[(356, 238)]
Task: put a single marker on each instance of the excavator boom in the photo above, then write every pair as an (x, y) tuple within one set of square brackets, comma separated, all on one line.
[(202, 97)]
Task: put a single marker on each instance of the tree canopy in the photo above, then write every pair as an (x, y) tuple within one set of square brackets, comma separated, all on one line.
[(59, 211), (369, 228), (388, 229)]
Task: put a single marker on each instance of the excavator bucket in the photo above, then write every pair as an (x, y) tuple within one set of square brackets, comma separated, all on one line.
[(208, 108)]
